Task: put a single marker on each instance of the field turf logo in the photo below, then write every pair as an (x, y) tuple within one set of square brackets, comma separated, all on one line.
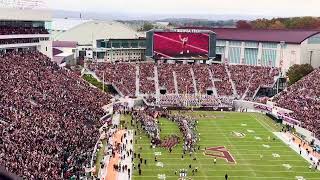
[(238, 134), (220, 152)]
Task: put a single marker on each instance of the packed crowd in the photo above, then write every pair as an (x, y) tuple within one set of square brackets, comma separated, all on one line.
[(222, 83), (147, 83), (187, 126), (248, 79), (121, 75), (184, 79), (49, 117), (187, 79), (190, 100), (303, 98), (8, 30), (202, 77), (166, 80)]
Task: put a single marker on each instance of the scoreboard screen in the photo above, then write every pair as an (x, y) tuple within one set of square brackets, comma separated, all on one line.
[(180, 45)]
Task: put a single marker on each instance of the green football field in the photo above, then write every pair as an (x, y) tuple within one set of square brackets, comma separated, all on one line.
[(256, 156)]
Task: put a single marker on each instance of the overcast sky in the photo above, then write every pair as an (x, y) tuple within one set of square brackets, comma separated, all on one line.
[(248, 7)]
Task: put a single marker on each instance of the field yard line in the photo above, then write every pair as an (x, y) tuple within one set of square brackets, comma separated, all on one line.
[(273, 144), (228, 140), (239, 154), (261, 133), (228, 165), (258, 159), (202, 172), (269, 128), (261, 177), (239, 170)]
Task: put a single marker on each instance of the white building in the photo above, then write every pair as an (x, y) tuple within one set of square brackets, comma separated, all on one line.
[(25, 29), (88, 33), (277, 48)]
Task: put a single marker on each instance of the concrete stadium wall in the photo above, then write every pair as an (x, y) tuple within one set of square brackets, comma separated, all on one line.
[(45, 47)]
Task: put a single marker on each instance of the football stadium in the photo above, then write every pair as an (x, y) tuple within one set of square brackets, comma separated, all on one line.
[(98, 100)]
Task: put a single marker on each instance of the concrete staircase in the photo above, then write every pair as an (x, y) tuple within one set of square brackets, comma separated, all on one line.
[(246, 92), (232, 83), (175, 82), (156, 81), (214, 89), (194, 81), (256, 92)]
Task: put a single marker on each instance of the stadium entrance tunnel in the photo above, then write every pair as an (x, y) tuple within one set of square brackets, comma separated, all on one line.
[(218, 58), (209, 92), (111, 89), (163, 91)]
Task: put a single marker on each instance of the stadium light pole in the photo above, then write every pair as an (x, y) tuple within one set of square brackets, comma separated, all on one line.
[(282, 44), (310, 57)]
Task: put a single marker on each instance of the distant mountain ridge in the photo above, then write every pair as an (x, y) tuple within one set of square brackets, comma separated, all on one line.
[(152, 17)]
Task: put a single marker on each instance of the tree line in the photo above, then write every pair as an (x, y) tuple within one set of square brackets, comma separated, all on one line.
[(307, 23)]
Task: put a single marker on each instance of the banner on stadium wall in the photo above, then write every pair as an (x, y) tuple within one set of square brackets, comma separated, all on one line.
[(262, 107), (277, 112)]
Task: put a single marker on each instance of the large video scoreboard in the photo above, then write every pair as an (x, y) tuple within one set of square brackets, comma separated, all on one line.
[(190, 44)]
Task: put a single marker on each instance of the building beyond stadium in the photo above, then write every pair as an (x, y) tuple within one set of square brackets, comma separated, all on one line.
[(277, 48), (22, 29)]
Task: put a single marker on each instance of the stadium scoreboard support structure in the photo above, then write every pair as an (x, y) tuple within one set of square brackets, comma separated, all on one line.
[(181, 44)]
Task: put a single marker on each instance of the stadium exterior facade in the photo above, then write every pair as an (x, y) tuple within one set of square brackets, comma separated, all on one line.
[(120, 50), (26, 18), (276, 48)]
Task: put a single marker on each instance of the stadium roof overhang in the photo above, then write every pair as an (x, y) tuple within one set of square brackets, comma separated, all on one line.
[(261, 35), (14, 14)]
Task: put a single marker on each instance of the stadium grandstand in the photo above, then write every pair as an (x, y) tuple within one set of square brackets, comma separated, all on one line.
[(49, 116), (237, 81), (188, 103), (25, 29)]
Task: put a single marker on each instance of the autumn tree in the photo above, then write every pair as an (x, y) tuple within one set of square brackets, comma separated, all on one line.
[(277, 25), (260, 24), (243, 25), (298, 71), (307, 22)]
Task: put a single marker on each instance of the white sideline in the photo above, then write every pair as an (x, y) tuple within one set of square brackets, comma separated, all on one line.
[(295, 147), (127, 161)]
